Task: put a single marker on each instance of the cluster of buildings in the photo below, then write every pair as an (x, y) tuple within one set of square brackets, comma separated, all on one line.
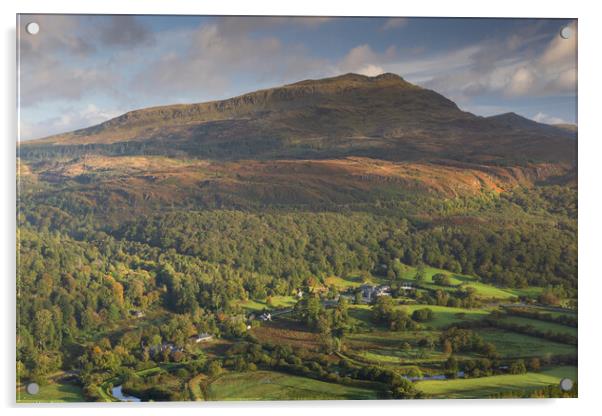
[(371, 292)]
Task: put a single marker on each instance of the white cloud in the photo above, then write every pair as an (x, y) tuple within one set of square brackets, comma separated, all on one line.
[(213, 57), (70, 119), (513, 66), (371, 70), (547, 119), (522, 81), (68, 58), (363, 60)]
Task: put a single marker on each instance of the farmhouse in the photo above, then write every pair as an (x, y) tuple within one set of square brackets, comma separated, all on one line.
[(370, 292), (266, 316)]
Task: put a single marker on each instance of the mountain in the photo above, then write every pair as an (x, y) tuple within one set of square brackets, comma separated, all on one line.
[(341, 106), (513, 121), (382, 116), (334, 140)]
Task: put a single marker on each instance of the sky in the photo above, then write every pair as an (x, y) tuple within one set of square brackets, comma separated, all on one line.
[(80, 70)]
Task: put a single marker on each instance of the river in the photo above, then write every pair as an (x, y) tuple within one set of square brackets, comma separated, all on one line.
[(118, 394)]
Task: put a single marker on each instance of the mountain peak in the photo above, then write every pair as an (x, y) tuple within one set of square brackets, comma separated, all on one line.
[(388, 76), (352, 79)]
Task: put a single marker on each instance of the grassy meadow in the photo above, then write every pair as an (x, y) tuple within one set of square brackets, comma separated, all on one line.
[(483, 387), (271, 385), (55, 392)]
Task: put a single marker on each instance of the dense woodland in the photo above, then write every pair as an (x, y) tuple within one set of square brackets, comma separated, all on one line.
[(77, 275)]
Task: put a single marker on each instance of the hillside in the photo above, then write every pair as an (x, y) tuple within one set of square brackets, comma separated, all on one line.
[(347, 139)]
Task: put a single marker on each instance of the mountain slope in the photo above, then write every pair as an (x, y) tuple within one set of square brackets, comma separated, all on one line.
[(512, 121), (342, 140)]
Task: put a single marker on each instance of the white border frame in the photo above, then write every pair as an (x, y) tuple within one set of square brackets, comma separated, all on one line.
[(590, 341)]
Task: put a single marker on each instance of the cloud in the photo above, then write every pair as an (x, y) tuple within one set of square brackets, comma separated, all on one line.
[(522, 81), (70, 119), (363, 60), (395, 23), (512, 66), (68, 58), (213, 56), (124, 31), (247, 24), (52, 79), (371, 70), (58, 33), (547, 119)]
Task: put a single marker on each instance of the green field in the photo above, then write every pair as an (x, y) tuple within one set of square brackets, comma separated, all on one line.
[(271, 385), (384, 347), (483, 290), (543, 325), (342, 284), (278, 302), (513, 345), (445, 316), (474, 388), (52, 393)]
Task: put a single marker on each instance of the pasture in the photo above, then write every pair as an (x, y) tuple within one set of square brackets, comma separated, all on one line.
[(445, 316), (483, 290), (386, 348), (474, 388), (271, 385), (542, 325), (514, 345), (55, 392), (278, 302)]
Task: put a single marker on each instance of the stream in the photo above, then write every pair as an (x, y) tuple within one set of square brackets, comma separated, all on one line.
[(118, 394)]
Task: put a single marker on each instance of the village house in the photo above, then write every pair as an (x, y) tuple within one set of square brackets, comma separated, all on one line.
[(266, 316), (407, 286), (370, 292)]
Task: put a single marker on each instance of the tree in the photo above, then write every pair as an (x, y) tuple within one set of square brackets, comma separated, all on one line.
[(382, 309), (403, 388), (442, 279), (214, 368), (420, 274), (534, 364), (518, 367), (548, 297), (451, 367), (357, 299), (423, 315), (309, 309)]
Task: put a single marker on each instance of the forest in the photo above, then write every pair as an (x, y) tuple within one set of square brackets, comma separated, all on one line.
[(81, 278)]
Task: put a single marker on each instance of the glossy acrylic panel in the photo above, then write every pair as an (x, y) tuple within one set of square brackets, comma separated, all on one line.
[(295, 208)]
